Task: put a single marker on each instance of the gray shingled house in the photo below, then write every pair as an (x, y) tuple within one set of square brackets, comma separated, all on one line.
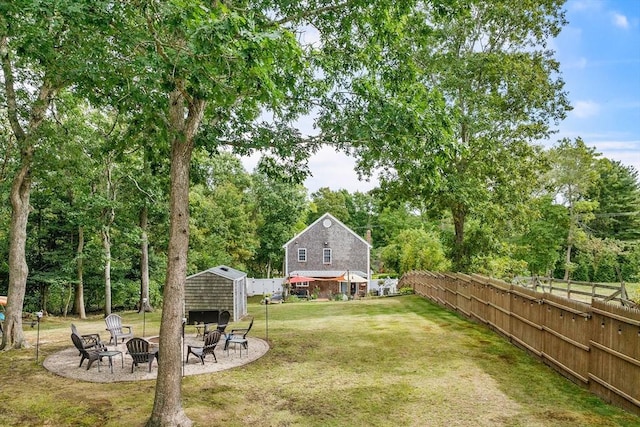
[(209, 292), (329, 252)]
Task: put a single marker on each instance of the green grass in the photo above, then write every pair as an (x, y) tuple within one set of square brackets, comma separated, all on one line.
[(374, 362)]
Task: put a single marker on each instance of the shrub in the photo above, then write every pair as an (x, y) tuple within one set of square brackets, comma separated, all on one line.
[(415, 249), (405, 291)]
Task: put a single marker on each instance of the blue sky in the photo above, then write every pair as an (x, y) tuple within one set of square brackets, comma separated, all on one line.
[(599, 54)]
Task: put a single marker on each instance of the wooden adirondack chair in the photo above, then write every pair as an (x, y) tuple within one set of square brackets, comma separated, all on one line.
[(138, 349), (91, 355), (115, 327), (223, 321), (210, 342), (89, 341)]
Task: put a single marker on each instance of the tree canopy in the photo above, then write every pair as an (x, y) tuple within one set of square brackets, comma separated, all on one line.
[(447, 117), (122, 125)]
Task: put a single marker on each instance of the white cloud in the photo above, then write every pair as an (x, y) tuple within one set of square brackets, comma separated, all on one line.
[(329, 168), (309, 36), (335, 170), (619, 146), (619, 20), (585, 5), (627, 152), (579, 63), (585, 109), (612, 145)]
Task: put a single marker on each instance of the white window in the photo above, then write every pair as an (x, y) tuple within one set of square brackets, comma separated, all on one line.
[(326, 256), (302, 254)]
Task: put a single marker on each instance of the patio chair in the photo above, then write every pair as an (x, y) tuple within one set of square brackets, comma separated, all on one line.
[(223, 321), (88, 340), (91, 355), (238, 336), (115, 327), (138, 349), (210, 343)]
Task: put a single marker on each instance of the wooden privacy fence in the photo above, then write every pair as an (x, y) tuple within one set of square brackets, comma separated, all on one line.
[(596, 345)]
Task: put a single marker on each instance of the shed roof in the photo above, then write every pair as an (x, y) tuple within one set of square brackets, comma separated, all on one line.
[(223, 271)]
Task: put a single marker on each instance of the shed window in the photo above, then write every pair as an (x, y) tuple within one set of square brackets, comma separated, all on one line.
[(326, 256), (302, 254)]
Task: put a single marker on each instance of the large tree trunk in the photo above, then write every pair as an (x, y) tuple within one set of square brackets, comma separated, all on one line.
[(13, 337), (106, 246), (79, 301), (567, 262), (458, 209), (570, 237), (459, 216), (108, 216), (167, 405), (145, 303), (44, 298)]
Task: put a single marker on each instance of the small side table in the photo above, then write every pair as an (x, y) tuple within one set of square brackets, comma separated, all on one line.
[(110, 355), (236, 341), (200, 329)]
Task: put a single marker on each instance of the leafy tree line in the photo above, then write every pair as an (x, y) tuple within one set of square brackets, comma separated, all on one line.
[(97, 175), (122, 122), (602, 232), (242, 219)]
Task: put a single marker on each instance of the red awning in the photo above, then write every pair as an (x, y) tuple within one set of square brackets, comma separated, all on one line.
[(300, 279)]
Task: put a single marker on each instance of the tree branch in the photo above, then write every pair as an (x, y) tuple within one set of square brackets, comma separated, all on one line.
[(309, 13), (160, 50), (46, 93), (146, 193), (9, 85)]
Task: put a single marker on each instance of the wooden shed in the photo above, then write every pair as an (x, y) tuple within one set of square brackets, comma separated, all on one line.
[(210, 292)]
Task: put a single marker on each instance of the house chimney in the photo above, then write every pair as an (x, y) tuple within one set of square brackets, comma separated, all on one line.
[(368, 238)]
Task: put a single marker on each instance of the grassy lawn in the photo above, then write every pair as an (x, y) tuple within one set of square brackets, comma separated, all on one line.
[(376, 362)]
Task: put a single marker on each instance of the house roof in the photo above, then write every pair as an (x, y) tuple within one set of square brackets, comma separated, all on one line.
[(223, 271), (322, 218)]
